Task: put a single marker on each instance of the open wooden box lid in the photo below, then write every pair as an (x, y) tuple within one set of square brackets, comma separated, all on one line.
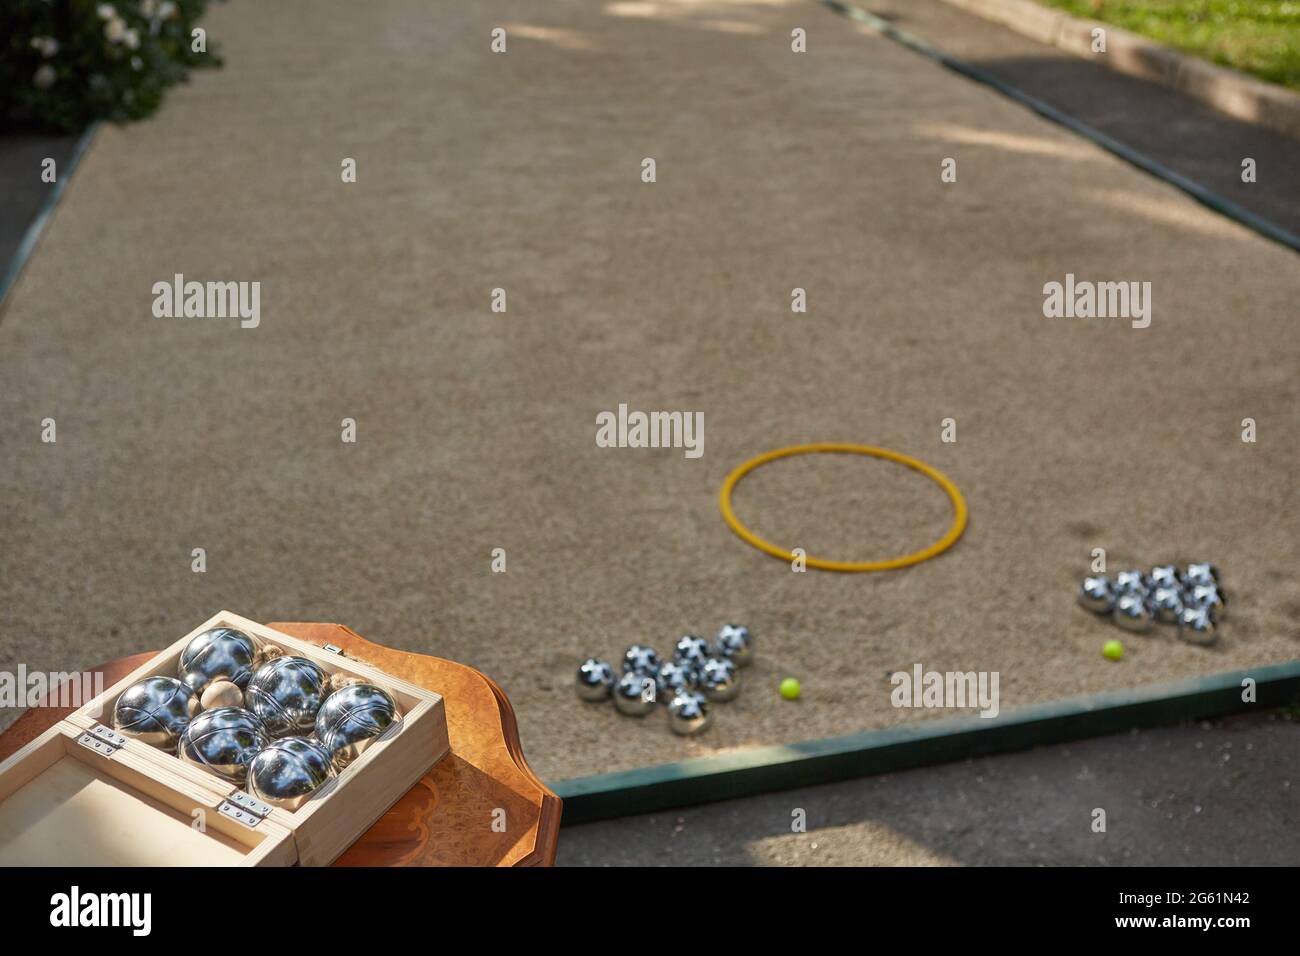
[(81, 794)]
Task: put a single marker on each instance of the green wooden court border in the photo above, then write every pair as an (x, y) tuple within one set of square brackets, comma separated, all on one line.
[(812, 762), (32, 235)]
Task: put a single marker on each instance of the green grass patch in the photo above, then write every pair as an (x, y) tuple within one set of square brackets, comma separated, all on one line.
[(1260, 37)]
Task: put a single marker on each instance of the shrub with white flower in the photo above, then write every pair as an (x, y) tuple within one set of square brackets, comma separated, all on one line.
[(44, 77), (66, 63)]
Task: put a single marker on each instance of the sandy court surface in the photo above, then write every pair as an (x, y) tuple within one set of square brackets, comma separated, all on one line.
[(476, 430)]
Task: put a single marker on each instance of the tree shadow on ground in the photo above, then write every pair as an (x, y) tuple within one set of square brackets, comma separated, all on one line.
[(1199, 795)]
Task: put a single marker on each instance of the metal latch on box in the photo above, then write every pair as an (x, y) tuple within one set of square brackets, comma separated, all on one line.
[(102, 740), (242, 808)]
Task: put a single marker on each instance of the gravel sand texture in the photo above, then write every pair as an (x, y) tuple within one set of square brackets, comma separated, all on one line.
[(475, 429)]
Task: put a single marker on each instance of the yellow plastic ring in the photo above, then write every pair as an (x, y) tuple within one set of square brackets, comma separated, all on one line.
[(943, 544)]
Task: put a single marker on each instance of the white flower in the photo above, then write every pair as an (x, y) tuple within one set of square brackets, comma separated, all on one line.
[(47, 45), (148, 7), (44, 76), (167, 9), (132, 39), (137, 63), (106, 11), (115, 30)]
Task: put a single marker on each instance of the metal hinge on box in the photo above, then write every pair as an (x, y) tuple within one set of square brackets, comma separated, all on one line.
[(340, 652), (102, 740), (242, 808)]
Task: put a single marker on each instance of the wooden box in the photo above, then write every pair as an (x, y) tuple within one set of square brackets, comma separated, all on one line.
[(81, 794)]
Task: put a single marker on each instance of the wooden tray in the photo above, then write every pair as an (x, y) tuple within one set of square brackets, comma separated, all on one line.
[(80, 794)]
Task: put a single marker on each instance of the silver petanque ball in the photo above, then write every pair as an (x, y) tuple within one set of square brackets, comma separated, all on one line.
[(1131, 612), (735, 644), (1135, 581), (639, 659), (1197, 626), (286, 693), (1097, 594), (1203, 573), (672, 678), (691, 652), (1164, 576), (635, 694), (220, 653), (1211, 598), (1166, 603), (286, 772), (594, 680), (224, 741), (720, 679), (155, 711), (688, 713), (350, 720)]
